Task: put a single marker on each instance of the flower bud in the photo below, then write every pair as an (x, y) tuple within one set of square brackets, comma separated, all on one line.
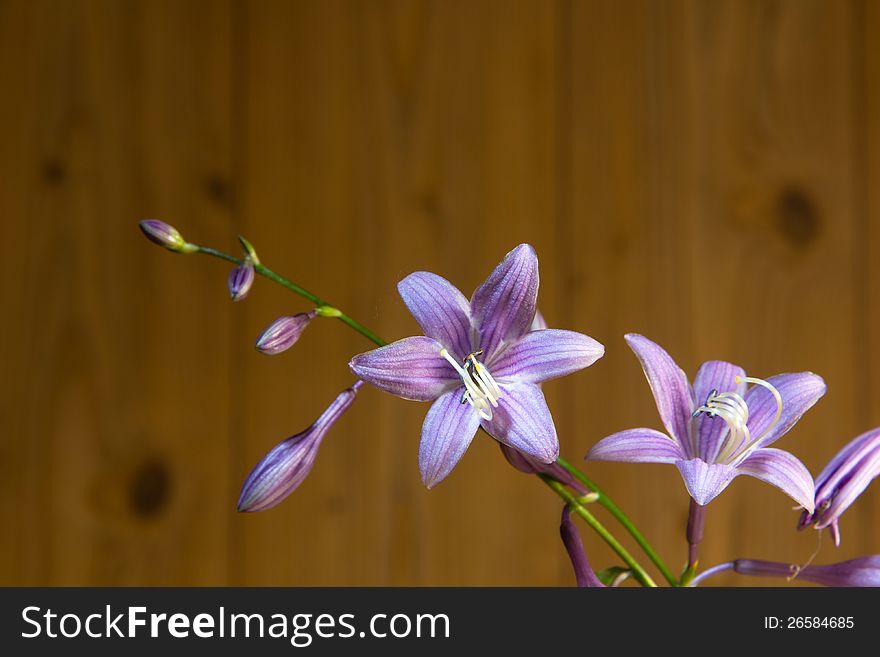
[(283, 333), (241, 279), (844, 478), (287, 464), (527, 465), (863, 571), (574, 546), (166, 236)]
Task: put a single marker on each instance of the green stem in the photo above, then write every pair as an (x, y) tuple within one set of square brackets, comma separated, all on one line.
[(623, 519), (560, 489), (262, 270), (330, 311)]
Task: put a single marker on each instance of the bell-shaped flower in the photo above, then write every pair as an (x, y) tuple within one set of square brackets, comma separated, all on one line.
[(479, 362), (845, 477), (719, 428), (287, 464)]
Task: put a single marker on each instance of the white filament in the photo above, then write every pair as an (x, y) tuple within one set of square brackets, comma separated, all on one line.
[(732, 408), (481, 390)]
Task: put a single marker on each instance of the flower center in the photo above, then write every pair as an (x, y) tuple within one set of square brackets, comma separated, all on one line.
[(480, 389), (732, 408)]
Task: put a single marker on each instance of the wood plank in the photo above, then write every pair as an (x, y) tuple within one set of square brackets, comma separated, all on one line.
[(406, 136), (118, 111), (724, 226)]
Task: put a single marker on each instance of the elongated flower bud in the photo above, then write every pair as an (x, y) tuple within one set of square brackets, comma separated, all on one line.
[(571, 539), (863, 571), (166, 236), (283, 333), (287, 464), (844, 478), (241, 279), (528, 465)]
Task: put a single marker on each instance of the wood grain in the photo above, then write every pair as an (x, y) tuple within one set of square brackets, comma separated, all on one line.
[(699, 172)]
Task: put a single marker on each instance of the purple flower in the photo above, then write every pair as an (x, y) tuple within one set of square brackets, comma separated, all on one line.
[(241, 279), (845, 477), (479, 363), (166, 236), (718, 429), (287, 464), (283, 333), (864, 571)]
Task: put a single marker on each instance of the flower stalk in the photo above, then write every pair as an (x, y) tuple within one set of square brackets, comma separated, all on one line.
[(638, 571)]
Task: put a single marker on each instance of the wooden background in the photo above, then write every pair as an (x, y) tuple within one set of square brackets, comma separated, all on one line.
[(705, 173)]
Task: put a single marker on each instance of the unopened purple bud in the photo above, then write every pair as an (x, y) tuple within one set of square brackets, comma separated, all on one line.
[(241, 279), (527, 465), (863, 571), (287, 464), (283, 333), (166, 236), (844, 478), (574, 546)]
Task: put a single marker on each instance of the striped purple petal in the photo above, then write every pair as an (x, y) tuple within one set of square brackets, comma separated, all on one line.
[(672, 392), (441, 310), (783, 470), (523, 421), (709, 431), (545, 354), (504, 306), (637, 446), (846, 477), (799, 391), (411, 368), (705, 481), (448, 430)]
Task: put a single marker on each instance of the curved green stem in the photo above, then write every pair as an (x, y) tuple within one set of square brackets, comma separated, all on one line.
[(623, 519), (262, 270), (327, 310), (637, 570)]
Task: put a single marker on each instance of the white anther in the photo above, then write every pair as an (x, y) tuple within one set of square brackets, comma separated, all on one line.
[(732, 408), (481, 390)]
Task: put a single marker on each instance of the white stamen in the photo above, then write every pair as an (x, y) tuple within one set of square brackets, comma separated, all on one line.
[(481, 390), (732, 408)]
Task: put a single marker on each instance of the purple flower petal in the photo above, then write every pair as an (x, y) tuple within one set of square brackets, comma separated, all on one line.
[(411, 368), (504, 306), (705, 481), (672, 392), (545, 354), (843, 488), (637, 446), (848, 474), (448, 430), (710, 431), (782, 470), (440, 309), (799, 392), (523, 421)]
